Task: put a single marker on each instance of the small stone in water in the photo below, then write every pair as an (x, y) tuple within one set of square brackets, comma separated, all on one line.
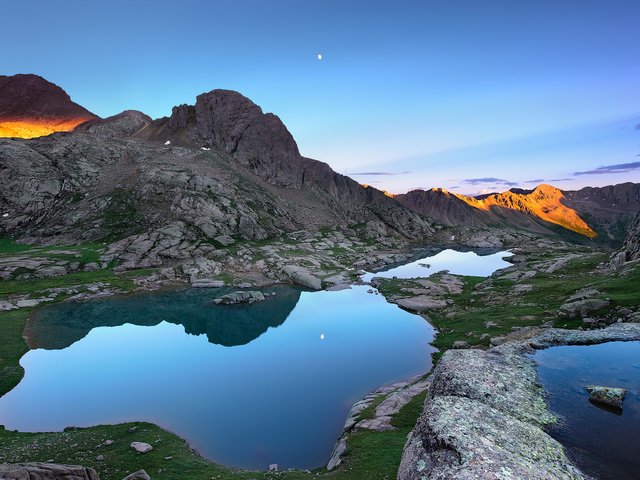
[(606, 395)]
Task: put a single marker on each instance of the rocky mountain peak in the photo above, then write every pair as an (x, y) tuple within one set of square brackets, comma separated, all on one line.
[(545, 190), (228, 121), (31, 106)]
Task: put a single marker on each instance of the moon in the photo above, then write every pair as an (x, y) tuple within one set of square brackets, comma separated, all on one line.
[(322, 336), (319, 56)]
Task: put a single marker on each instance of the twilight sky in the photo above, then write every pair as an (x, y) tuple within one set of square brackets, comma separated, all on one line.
[(470, 95)]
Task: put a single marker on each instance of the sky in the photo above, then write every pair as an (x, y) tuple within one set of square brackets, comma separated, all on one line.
[(472, 96)]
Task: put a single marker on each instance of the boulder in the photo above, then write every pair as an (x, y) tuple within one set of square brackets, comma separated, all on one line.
[(582, 306), (610, 396), (245, 296), (141, 447), (421, 303), (302, 276), (139, 475)]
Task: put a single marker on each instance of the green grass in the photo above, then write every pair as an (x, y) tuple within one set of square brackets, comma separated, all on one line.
[(12, 348), (31, 285), (370, 411), (9, 246)]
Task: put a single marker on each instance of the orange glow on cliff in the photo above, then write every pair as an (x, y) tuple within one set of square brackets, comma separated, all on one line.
[(26, 128), (544, 202)]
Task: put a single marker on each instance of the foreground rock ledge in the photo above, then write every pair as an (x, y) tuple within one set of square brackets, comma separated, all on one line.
[(46, 471), (485, 413)]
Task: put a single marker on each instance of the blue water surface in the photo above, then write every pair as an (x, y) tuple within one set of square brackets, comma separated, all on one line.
[(604, 442), (246, 385)]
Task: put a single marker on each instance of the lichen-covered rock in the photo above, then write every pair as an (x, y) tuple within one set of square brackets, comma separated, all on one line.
[(611, 396), (484, 418), (46, 471), (484, 414)]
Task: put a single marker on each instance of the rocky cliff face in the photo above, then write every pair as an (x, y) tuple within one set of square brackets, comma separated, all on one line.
[(229, 122), (31, 107), (630, 251)]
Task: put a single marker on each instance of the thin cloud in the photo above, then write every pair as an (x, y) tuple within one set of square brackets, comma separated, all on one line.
[(479, 181), (536, 180), (618, 168), (379, 173)]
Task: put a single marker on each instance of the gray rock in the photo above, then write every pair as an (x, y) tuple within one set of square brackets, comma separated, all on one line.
[(630, 250), (582, 306), (207, 283), (485, 413), (302, 276), (225, 240), (421, 303), (611, 396), (46, 471), (141, 447), (28, 303), (240, 297), (139, 475), (336, 454), (521, 288)]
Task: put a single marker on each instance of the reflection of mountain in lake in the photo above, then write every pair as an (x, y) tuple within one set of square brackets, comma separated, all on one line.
[(58, 326)]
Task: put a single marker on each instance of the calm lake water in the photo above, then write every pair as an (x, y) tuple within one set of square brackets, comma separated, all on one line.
[(246, 385), (604, 443), (459, 263)]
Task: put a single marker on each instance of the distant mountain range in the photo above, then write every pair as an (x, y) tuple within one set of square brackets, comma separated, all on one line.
[(223, 169), (590, 211)]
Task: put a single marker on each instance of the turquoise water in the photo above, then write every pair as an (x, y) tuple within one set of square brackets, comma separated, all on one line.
[(246, 385), (605, 443), (458, 263)]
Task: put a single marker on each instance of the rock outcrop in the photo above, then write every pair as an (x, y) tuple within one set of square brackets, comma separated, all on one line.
[(630, 251), (46, 471), (485, 412)]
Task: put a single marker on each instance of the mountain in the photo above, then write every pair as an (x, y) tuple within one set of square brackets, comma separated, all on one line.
[(166, 190), (630, 250), (30, 106), (589, 212)]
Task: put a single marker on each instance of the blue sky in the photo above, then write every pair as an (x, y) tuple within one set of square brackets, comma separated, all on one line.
[(408, 94)]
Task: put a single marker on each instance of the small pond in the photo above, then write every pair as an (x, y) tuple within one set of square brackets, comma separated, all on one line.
[(456, 262), (605, 443)]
